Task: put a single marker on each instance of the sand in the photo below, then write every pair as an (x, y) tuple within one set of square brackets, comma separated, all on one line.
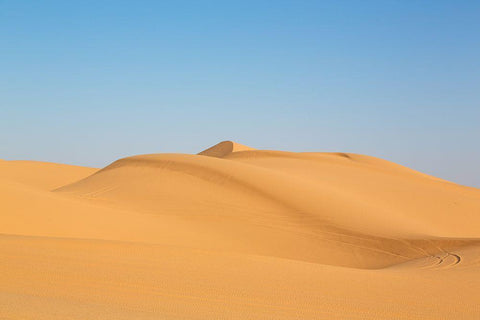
[(237, 233)]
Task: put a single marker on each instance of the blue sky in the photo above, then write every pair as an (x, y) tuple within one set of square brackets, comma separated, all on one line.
[(87, 82)]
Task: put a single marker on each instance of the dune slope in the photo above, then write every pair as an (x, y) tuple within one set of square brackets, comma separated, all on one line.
[(237, 233)]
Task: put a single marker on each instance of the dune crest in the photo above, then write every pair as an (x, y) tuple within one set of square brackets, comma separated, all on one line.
[(224, 148)]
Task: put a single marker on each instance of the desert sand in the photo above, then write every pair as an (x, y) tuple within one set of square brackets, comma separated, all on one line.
[(237, 233)]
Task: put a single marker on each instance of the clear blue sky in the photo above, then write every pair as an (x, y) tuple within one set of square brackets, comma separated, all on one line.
[(87, 82)]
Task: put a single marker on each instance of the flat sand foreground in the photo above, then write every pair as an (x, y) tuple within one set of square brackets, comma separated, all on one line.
[(237, 233)]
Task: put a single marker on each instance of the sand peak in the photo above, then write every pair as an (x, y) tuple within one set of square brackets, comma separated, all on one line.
[(224, 148)]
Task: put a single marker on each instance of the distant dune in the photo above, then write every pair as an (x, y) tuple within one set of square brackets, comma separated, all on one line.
[(237, 233)]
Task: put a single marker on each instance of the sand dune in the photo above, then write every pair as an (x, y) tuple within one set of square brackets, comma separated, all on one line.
[(43, 175), (237, 233)]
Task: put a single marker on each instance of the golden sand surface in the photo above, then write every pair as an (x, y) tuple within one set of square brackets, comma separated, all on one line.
[(237, 233)]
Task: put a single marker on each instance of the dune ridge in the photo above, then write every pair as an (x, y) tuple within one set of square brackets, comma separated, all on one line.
[(223, 149), (297, 234)]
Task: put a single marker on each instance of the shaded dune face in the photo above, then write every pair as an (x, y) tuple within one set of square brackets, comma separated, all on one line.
[(237, 233)]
